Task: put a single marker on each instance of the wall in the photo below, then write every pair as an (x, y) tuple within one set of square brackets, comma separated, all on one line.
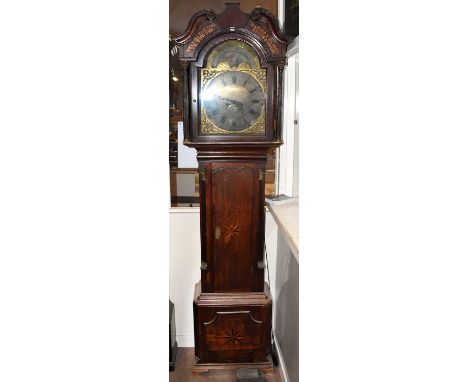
[(286, 308), (288, 153), (184, 268)]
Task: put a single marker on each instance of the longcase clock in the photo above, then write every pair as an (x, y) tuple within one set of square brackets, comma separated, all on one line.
[(233, 73)]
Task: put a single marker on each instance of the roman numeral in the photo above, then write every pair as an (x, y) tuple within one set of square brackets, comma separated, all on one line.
[(214, 111), (223, 119), (253, 112), (223, 82), (234, 79), (255, 101), (253, 90)]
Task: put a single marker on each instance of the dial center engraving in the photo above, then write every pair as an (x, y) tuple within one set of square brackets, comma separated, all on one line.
[(233, 109)]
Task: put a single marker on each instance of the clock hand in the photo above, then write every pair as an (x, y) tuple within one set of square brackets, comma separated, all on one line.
[(226, 101), (229, 101)]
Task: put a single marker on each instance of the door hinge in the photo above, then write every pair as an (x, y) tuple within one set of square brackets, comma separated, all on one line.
[(261, 174), (203, 266), (261, 265), (202, 172)]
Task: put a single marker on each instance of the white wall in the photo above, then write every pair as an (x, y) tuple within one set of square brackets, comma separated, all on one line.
[(271, 240), (184, 268), (286, 309), (184, 265), (186, 156), (287, 170)]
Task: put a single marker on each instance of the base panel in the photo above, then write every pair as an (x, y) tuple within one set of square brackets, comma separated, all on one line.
[(232, 329)]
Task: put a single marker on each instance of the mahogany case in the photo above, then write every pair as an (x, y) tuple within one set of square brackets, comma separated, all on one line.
[(232, 304)]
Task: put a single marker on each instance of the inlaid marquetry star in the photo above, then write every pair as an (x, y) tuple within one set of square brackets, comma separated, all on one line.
[(232, 337), (232, 231)]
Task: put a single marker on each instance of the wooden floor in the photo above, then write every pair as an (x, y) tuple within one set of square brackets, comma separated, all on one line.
[(183, 371)]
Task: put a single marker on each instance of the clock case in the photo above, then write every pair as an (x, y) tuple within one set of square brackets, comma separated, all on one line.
[(232, 303)]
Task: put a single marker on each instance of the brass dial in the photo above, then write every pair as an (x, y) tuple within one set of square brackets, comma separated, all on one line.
[(233, 100)]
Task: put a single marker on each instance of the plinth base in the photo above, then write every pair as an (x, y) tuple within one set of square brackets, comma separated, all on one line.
[(202, 368), (232, 330)]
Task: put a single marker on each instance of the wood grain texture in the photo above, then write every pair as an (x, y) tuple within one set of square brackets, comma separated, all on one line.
[(232, 327), (235, 195), (232, 202)]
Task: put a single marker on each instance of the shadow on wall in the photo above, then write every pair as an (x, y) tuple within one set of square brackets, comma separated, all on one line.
[(287, 308)]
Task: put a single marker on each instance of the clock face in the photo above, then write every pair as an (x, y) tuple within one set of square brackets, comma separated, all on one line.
[(233, 100)]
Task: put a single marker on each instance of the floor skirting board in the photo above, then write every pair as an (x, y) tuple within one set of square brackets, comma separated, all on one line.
[(185, 341), (281, 363)]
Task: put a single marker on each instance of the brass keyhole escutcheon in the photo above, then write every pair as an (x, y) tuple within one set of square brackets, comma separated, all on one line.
[(217, 233)]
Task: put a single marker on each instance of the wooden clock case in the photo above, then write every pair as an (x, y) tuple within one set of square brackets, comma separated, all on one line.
[(232, 303)]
